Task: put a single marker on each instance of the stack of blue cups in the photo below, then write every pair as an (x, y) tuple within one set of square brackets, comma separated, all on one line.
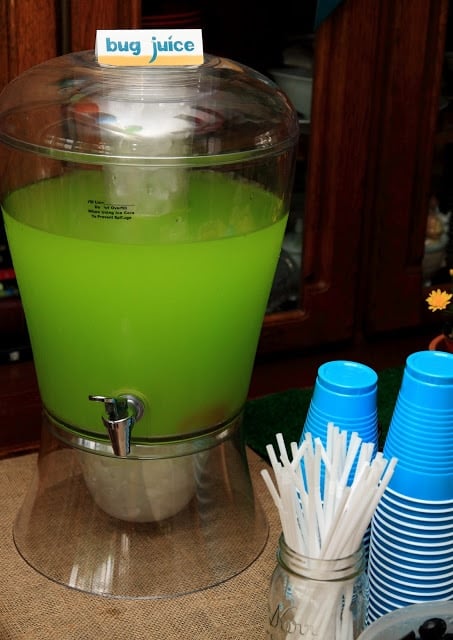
[(344, 393), (411, 541)]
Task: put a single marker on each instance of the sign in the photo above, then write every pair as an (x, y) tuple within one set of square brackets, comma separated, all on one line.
[(149, 47)]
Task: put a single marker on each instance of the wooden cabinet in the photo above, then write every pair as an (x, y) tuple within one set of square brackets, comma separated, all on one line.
[(375, 103), (401, 149), (28, 34)]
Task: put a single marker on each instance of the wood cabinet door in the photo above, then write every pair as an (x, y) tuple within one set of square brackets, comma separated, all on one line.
[(86, 16), (336, 214), (408, 70), (28, 35), (375, 102)]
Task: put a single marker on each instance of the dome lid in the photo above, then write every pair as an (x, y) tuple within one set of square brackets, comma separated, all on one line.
[(75, 109)]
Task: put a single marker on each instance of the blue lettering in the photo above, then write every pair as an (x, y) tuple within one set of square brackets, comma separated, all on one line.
[(110, 45), (133, 46), (154, 54), (168, 46)]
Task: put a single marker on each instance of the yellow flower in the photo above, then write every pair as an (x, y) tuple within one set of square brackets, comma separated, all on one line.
[(438, 300)]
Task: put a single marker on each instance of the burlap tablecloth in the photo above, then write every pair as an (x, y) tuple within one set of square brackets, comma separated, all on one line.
[(33, 607)]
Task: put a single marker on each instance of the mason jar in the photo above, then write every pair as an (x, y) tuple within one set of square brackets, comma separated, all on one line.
[(317, 598)]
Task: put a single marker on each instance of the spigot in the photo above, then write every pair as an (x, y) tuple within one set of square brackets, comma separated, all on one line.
[(122, 413)]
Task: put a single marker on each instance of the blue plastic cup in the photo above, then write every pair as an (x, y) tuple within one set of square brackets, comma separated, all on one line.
[(408, 584), (417, 526), (420, 434), (397, 601), (385, 600), (345, 389), (412, 586), (345, 393), (420, 430), (428, 380), (430, 554), (317, 426), (436, 426), (366, 428), (414, 456), (403, 574), (437, 440), (437, 413), (414, 518), (437, 422), (412, 531), (389, 553), (421, 484), (365, 419), (399, 590), (417, 508), (374, 612), (425, 569), (434, 546), (413, 557), (415, 453), (379, 605)]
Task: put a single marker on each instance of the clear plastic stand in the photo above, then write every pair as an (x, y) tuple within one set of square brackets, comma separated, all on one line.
[(189, 523)]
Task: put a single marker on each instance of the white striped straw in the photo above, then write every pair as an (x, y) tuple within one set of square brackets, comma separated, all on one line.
[(321, 521), (327, 521)]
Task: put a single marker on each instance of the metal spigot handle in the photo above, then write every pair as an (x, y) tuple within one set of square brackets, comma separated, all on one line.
[(122, 413)]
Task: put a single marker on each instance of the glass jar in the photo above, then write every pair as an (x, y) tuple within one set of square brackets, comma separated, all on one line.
[(317, 598)]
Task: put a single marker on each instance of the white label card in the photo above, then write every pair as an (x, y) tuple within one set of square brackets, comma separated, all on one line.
[(149, 47)]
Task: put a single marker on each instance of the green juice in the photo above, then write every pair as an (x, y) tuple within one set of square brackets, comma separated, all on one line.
[(167, 307)]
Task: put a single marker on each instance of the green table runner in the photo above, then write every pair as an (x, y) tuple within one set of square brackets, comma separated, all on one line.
[(285, 412)]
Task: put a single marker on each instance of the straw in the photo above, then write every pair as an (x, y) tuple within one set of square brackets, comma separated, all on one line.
[(327, 520)]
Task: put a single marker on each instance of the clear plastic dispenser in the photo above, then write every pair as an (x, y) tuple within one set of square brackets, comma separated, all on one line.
[(145, 210)]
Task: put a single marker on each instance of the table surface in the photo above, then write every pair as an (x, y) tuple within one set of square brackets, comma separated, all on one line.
[(32, 607)]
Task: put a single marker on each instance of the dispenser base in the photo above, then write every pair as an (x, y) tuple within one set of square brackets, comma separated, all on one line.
[(218, 531)]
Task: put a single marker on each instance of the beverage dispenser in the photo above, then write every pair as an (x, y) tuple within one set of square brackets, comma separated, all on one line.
[(145, 209)]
